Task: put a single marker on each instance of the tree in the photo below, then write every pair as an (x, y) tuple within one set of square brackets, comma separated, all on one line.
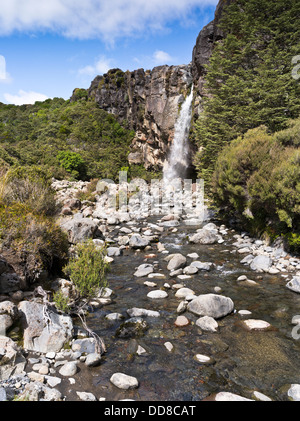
[(249, 80)]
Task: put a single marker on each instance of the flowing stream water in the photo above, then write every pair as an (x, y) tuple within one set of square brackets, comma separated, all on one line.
[(242, 361), (178, 161)]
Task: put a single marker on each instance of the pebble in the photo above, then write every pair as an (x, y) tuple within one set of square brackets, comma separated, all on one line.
[(244, 312), (253, 324), (53, 381), (158, 294), (182, 321), (261, 396), (92, 360), (69, 369), (169, 346), (123, 381), (84, 396), (183, 292), (207, 324), (229, 397), (203, 358), (150, 284)]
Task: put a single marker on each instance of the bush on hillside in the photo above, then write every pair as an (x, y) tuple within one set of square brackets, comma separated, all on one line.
[(257, 179), (27, 225)]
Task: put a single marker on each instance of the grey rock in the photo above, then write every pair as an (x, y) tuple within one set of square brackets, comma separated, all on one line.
[(207, 324), (190, 270), (229, 397), (69, 369), (113, 252), (212, 305), (142, 312), (202, 265), (3, 396), (261, 263), (84, 396), (294, 392), (294, 284), (247, 260), (41, 336), (205, 236), (144, 270), (158, 294), (92, 360), (12, 361), (80, 229), (176, 262), (138, 242), (123, 381), (85, 346), (53, 381)]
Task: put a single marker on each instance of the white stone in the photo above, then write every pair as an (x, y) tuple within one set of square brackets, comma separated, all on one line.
[(253, 324), (142, 312), (123, 381), (89, 397), (183, 292), (157, 294), (229, 397), (169, 346), (244, 312), (69, 369), (294, 392), (208, 324), (261, 396), (202, 358)]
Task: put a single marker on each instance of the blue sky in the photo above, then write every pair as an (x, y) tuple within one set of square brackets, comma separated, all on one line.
[(48, 48)]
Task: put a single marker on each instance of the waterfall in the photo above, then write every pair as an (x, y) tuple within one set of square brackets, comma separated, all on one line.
[(178, 161)]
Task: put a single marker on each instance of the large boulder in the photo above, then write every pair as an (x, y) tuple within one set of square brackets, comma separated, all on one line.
[(80, 229), (177, 261), (44, 334), (211, 305), (206, 235), (261, 263), (138, 242)]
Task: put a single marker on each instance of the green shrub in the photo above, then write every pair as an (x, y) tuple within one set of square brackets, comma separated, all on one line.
[(257, 179), (61, 301), (27, 225), (31, 186), (73, 163), (87, 269)]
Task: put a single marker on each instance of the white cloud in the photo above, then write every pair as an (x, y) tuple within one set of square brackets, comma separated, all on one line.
[(101, 66), (24, 97), (161, 57), (106, 19), (5, 77)]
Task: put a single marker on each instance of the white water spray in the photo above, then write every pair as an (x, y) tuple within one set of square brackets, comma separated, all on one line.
[(178, 161)]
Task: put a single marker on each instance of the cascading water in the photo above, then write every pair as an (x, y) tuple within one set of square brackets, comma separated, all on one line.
[(178, 162)]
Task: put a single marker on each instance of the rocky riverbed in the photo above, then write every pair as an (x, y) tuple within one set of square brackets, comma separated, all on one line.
[(193, 311)]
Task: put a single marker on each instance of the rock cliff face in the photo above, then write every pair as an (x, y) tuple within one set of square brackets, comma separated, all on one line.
[(149, 101), (206, 40)]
